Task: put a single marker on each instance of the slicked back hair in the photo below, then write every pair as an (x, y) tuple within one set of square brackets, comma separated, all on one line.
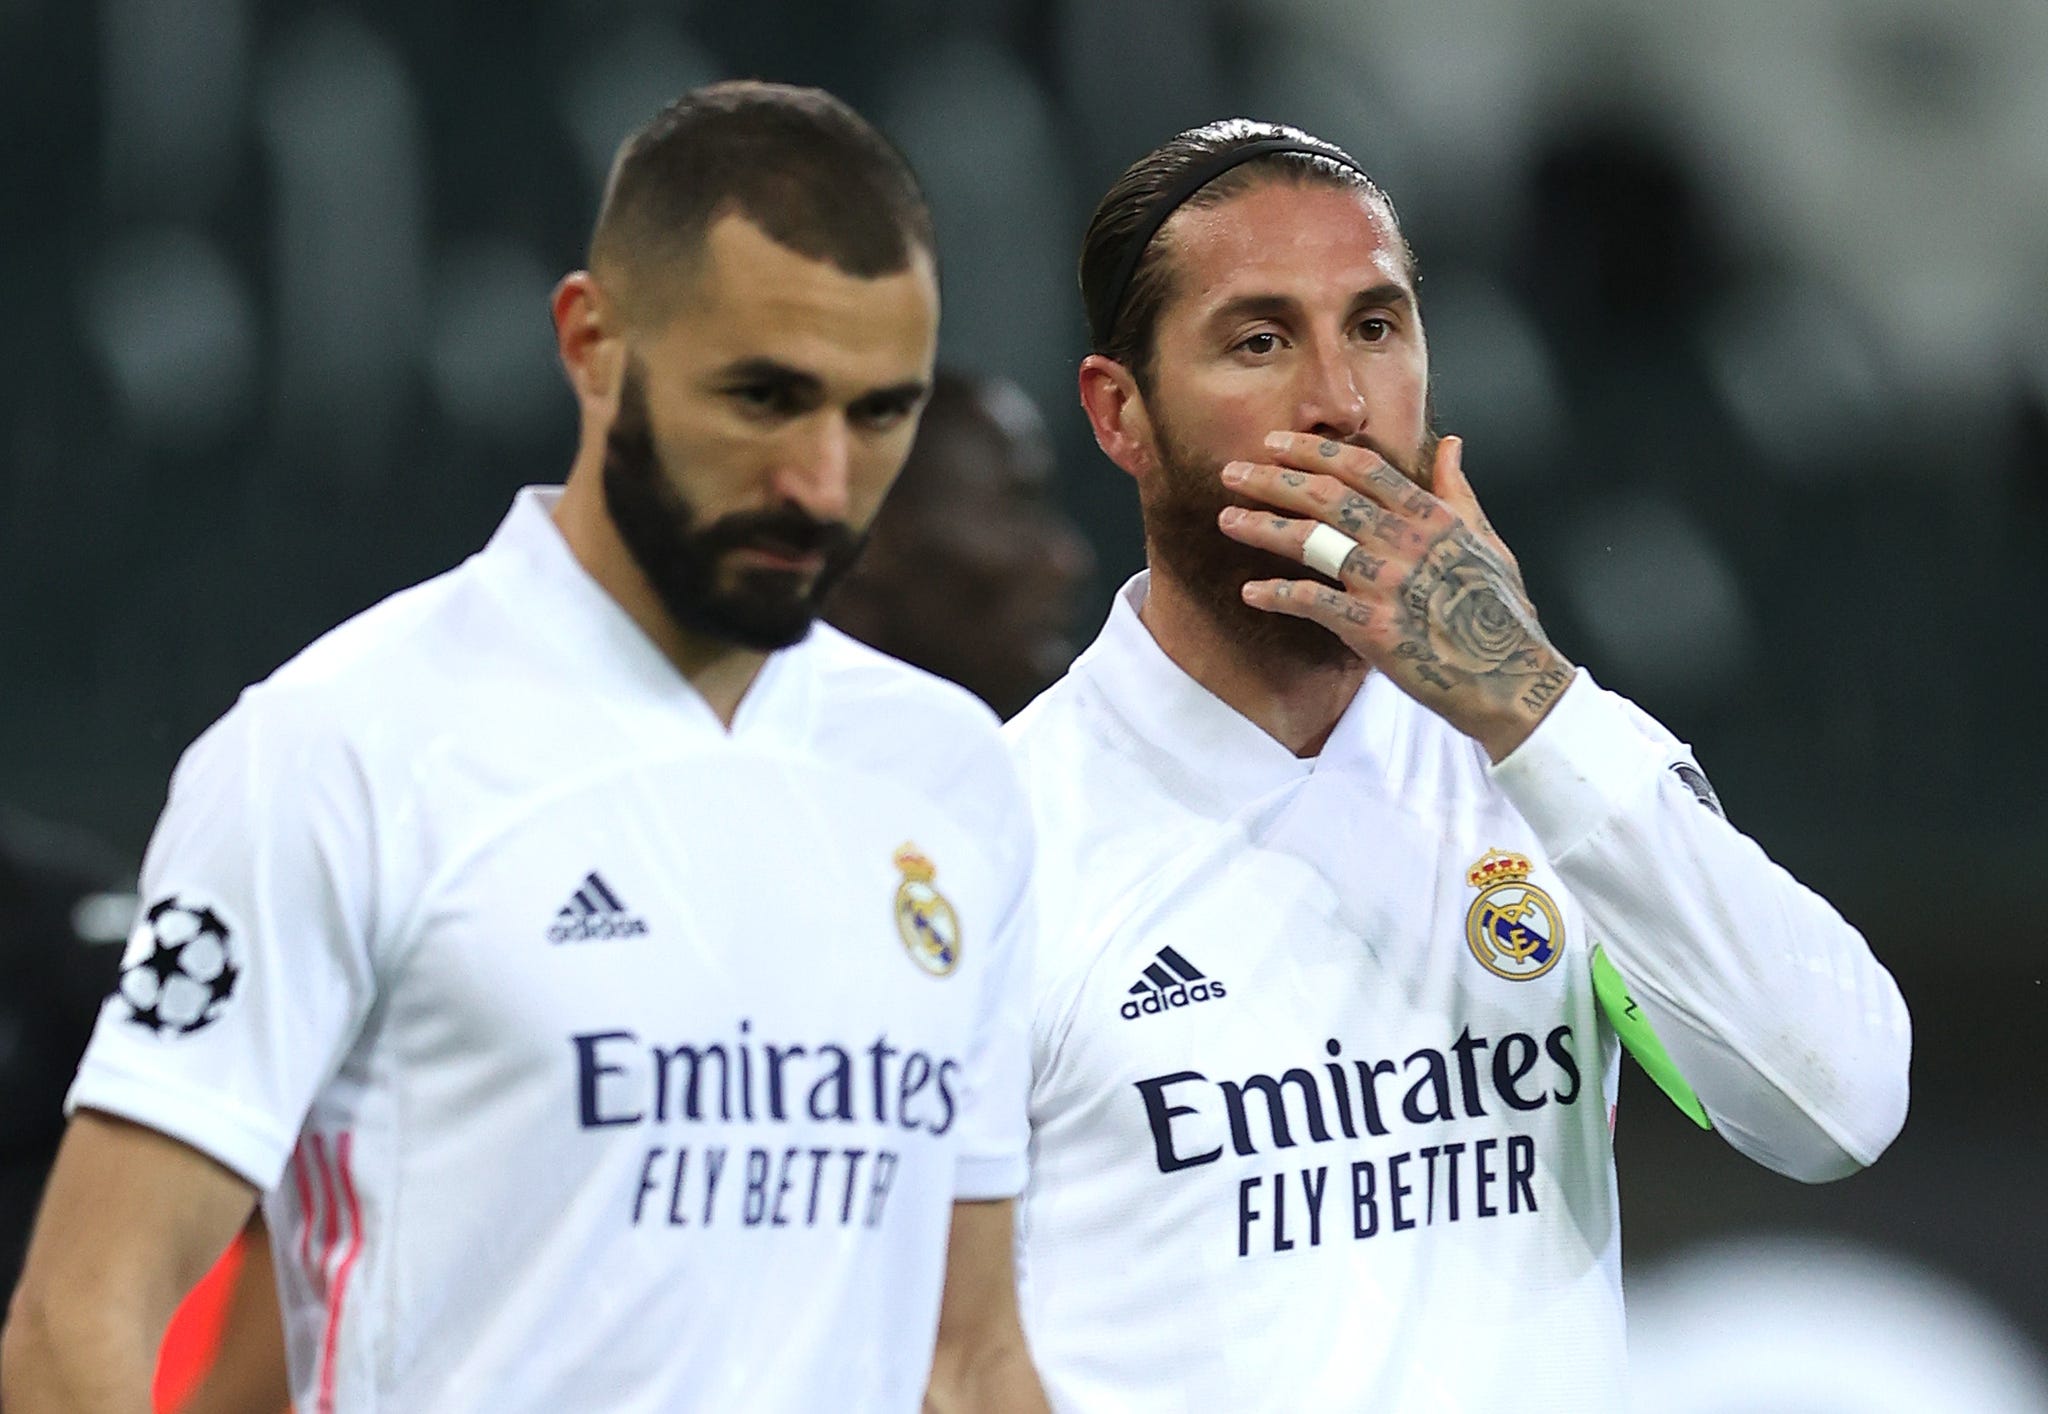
[(1125, 332), (810, 172)]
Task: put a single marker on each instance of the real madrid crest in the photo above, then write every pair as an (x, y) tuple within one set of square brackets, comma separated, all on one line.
[(924, 919), (1514, 928)]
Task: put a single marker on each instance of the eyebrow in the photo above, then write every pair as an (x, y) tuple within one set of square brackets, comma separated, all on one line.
[(767, 370), (809, 385), (1269, 306)]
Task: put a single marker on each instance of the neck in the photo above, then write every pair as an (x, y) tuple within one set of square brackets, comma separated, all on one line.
[(1295, 703), (720, 673)]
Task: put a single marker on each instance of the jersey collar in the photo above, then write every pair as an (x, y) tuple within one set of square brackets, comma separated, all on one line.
[(531, 565), (1204, 738)]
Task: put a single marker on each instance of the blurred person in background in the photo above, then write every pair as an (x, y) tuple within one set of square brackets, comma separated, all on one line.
[(1361, 884), (470, 939), (971, 568)]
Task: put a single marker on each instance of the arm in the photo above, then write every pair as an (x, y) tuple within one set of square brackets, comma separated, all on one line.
[(1772, 1007), (981, 1364), (249, 1374), (130, 1222)]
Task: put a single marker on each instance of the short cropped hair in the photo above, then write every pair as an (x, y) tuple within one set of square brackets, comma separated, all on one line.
[(1125, 331), (813, 174)]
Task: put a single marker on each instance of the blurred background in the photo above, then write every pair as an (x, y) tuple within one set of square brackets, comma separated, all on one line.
[(1742, 306)]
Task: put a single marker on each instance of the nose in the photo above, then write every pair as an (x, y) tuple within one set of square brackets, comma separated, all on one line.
[(815, 466), (1332, 395)]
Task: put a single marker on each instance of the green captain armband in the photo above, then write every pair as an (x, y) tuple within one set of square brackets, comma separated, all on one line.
[(1636, 1033)]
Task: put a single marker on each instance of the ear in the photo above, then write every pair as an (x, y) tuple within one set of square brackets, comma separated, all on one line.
[(1116, 411), (588, 341)]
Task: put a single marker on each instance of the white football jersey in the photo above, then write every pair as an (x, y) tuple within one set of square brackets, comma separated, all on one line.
[(592, 1057), (1322, 1101)]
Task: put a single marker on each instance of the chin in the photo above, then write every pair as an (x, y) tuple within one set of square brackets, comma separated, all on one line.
[(1213, 570)]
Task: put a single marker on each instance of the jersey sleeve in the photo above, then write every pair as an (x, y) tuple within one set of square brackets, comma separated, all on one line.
[(249, 971), (995, 1128), (1771, 1005)]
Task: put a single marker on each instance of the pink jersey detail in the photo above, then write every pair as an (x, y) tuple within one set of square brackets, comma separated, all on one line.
[(339, 1296)]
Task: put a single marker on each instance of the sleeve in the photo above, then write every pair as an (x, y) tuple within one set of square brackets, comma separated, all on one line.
[(995, 1123), (249, 970), (1794, 1036)]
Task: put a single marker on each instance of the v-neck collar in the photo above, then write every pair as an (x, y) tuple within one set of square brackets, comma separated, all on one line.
[(1236, 761), (531, 565)]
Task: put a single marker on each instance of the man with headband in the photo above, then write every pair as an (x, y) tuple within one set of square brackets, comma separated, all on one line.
[(1362, 886), (609, 980)]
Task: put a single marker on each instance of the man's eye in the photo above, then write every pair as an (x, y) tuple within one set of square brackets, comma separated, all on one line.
[(1261, 344), (881, 417), (762, 397), (1375, 329)]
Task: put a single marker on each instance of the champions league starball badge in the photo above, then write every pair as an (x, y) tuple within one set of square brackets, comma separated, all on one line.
[(924, 919), (179, 971), (1515, 929)]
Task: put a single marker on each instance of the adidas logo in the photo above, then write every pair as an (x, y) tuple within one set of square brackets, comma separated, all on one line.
[(594, 912), (1170, 981)]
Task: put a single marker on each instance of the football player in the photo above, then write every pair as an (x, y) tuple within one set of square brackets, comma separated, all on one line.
[(1362, 882)]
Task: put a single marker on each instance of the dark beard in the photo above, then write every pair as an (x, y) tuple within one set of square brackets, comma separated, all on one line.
[(767, 609), (1182, 535)]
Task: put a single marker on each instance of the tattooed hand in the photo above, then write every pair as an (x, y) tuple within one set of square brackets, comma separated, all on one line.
[(1430, 596)]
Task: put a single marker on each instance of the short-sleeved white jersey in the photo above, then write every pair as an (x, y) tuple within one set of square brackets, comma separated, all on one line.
[(1322, 1096), (591, 1056)]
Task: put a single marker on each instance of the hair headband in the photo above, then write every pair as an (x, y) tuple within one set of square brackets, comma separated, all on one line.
[(1192, 181)]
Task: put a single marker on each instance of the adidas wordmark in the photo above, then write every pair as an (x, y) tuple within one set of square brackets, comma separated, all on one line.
[(1169, 981)]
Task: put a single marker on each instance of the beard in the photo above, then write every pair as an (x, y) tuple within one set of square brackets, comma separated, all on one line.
[(1183, 537), (762, 608)]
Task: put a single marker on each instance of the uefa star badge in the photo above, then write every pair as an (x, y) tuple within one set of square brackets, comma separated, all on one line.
[(1515, 929), (179, 971), (924, 919)]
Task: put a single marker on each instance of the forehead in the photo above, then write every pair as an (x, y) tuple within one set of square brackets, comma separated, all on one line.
[(751, 298), (1312, 243)]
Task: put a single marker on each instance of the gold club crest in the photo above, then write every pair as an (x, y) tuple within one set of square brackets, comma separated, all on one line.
[(926, 922), (1515, 929)]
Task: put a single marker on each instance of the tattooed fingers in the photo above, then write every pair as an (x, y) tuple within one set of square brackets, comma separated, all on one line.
[(1318, 497), (1314, 543)]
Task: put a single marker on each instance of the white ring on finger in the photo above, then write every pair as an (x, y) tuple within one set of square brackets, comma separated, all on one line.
[(1325, 550)]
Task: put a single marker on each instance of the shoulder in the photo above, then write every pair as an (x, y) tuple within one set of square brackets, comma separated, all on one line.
[(1106, 828), (400, 639), (1057, 737), (862, 680), (1059, 710), (1088, 777), (880, 714), (366, 688)]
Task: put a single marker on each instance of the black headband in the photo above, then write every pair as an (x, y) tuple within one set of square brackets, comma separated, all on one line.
[(1192, 181)]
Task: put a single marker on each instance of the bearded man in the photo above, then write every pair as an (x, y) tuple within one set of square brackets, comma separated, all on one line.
[(603, 976), (1363, 886)]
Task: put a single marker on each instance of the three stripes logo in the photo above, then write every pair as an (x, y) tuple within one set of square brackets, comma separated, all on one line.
[(1169, 981), (594, 913)]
